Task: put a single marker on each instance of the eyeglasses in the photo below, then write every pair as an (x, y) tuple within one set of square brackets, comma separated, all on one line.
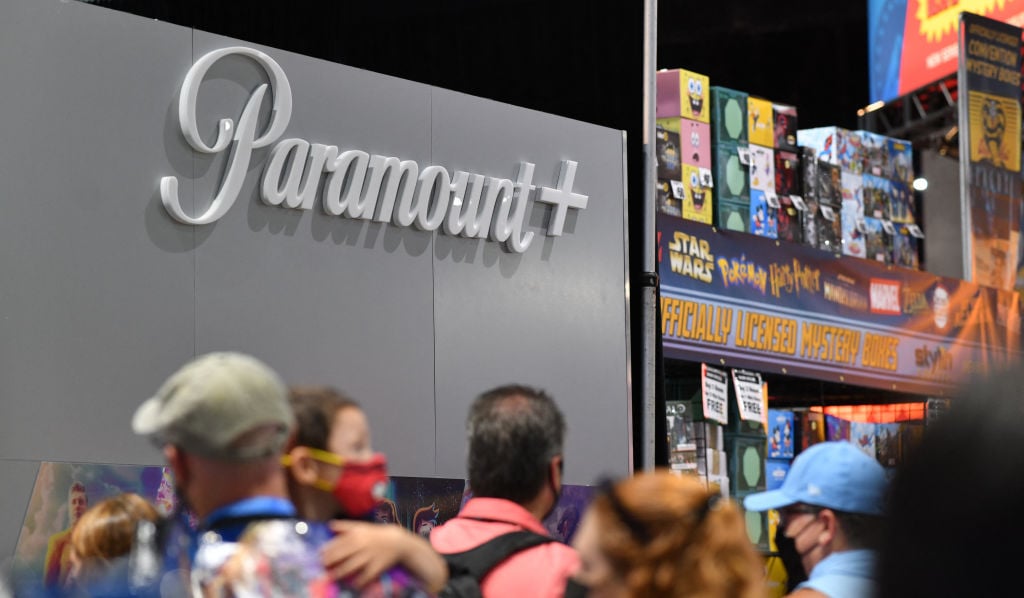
[(787, 513)]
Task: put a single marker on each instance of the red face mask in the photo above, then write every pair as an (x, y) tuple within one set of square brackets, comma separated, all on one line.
[(361, 485)]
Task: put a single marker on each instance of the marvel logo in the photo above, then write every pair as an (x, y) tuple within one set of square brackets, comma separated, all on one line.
[(885, 297)]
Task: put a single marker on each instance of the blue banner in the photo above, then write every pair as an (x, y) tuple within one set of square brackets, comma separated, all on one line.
[(737, 300)]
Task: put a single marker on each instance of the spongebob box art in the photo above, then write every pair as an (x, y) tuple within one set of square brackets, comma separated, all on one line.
[(764, 219), (785, 127), (729, 107), (697, 194), (685, 94), (695, 139), (762, 168), (760, 122)]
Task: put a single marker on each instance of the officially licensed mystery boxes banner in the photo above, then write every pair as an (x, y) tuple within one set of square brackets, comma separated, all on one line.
[(736, 300)]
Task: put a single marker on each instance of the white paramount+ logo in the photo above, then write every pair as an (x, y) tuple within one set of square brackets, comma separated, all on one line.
[(357, 184)]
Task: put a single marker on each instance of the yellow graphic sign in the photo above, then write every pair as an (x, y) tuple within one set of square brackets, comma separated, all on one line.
[(995, 130)]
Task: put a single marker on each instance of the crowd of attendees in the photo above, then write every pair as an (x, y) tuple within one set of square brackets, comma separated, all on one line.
[(277, 489)]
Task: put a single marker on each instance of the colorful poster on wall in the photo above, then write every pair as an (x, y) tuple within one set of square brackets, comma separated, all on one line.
[(743, 301), (912, 43), (990, 125), (62, 493)]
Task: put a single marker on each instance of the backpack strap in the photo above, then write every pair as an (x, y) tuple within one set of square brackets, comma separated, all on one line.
[(478, 562)]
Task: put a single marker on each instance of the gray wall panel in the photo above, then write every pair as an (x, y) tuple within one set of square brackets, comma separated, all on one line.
[(551, 317), (93, 296), (329, 300), (19, 479), (104, 294)]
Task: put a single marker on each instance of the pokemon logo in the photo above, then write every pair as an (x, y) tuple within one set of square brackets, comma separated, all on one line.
[(691, 257), (941, 18), (740, 271)]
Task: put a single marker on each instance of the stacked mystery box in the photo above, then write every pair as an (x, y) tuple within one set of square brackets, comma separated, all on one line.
[(756, 165), (683, 146), (865, 179)]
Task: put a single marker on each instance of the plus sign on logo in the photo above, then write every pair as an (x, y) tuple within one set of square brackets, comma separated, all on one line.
[(562, 198)]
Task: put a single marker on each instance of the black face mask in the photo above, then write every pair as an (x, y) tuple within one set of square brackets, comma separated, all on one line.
[(574, 589), (791, 560)]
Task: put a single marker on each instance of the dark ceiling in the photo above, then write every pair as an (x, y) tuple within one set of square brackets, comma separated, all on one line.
[(577, 58)]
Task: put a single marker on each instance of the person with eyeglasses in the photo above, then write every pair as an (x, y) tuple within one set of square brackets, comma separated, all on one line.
[(665, 535), (832, 511)]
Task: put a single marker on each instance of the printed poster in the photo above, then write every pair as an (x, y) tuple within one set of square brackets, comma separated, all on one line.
[(715, 394)]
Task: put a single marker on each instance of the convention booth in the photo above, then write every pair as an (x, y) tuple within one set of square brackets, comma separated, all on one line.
[(169, 192)]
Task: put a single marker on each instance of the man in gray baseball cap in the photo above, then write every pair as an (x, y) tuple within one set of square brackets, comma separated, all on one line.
[(222, 421)]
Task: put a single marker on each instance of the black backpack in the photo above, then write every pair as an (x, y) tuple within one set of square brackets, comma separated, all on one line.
[(467, 569)]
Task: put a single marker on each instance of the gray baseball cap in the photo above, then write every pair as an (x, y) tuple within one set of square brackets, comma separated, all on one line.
[(212, 401)]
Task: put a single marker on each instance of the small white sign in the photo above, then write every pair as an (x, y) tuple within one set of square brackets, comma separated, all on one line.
[(749, 397), (677, 189), (828, 213), (861, 225), (715, 395), (706, 179), (772, 200), (915, 231), (798, 202), (744, 154)]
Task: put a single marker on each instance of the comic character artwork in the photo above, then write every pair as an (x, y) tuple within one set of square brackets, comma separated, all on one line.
[(61, 494), (421, 504), (563, 520)]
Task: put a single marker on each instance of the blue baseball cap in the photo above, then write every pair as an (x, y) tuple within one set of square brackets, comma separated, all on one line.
[(834, 475)]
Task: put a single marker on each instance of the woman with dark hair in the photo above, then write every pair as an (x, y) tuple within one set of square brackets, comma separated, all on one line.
[(664, 535)]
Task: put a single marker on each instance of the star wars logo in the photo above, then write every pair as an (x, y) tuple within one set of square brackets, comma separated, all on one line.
[(690, 256)]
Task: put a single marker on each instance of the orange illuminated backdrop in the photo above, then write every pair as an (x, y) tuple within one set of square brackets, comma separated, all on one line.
[(930, 36)]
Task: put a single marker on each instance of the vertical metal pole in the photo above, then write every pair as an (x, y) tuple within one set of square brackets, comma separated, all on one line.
[(964, 122), (650, 278)]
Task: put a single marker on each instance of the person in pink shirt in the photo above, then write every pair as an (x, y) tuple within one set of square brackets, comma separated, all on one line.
[(515, 473)]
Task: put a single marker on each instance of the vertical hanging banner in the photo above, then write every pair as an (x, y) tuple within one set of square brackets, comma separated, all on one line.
[(749, 395), (990, 140), (715, 393)]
